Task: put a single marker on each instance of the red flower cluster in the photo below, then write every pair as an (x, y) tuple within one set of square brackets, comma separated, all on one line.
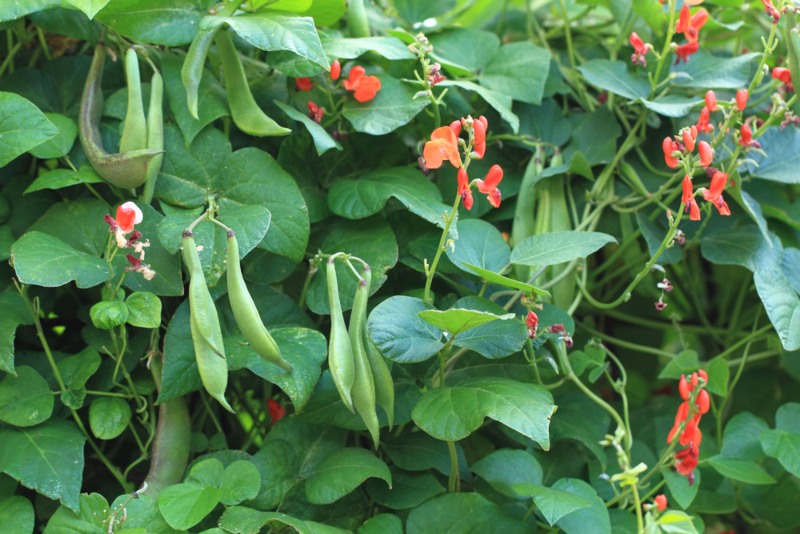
[(689, 25), (364, 87), (443, 146), (695, 403), (128, 215), (772, 11)]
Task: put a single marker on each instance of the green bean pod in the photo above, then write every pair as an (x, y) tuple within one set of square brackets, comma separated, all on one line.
[(126, 169), (357, 21), (524, 222), (134, 133), (204, 323), (155, 134), (363, 384), (382, 376), (171, 445), (246, 313), (193, 65), (340, 350), (246, 114)]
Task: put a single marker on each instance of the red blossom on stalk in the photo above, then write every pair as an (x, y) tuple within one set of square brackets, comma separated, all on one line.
[(746, 137), (711, 100), (704, 121), (785, 75), (488, 186), (685, 50), (364, 87), (661, 502), (695, 403), (303, 84), (689, 25), (464, 190), (479, 127), (128, 215), (714, 192), (336, 70), (741, 99), (688, 199), (670, 147), (315, 112), (706, 153), (688, 138), (443, 146), (276, 411), (772, 11), (435, 75), (532, 322), (640, 49)]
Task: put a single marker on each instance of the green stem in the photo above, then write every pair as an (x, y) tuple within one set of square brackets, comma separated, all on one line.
[(454, 480), (432, 270)]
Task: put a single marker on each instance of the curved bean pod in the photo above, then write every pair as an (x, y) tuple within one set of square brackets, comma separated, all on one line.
[(340, 349), (155, 134), (246, 313), (192, 70), (134, 133), (363, 386), (382, 376)]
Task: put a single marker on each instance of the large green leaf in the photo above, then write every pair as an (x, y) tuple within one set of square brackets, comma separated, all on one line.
[(109, 417), (781, 156), (457, 320), (25, 399), (595, 515), (16, 513), (271, 31), (464, 50), (518, 70), (43, 260), (498, 100), (783, 443), (180, 375), (683, 493), (367, 195), (741, 437), (400, 334), (733, 246), (185, 505), (382, 524), (242, 519), (47, 458), (162, 22), (780, 299), (705, 71), (614, 77), (553, 503), (580, 419), (461, 512), (480, 244), (19, 8), (22, 127), (13, 312), (505, 467), (91, 518), (495, 339), (61, 178), (408, 489), (60, 144), (241, 481), (342, 472), (452, 413), (348, 48), (746, 471), (552, 248), (420, 452), (322, 139), (394, 106), (89, 7)]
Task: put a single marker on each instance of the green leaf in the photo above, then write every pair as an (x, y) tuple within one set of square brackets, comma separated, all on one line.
[(746, 471), (718, 376), (366, 196), (684, 363), (322, 139), (89, 7), (741, 437), (161, 22), (382, 524), (91, 518), (783, 443), (614, 77), (464, 50), (781, 156), (457, 320), (453, 413), (13, 312), (408, 490), (43, 260), (25, 399), (421, 452), (270, 31), (653, 235), (144, 309), (304, 348), (185, 505), (391, 48), (242, 519), (499, 101), (252, 177), (107, 315), (675, 522), (22, 127), (342, 472), (17, 10), (394, 106), (47, 458), (16, 513), (595, 515), (780, 299), (109, 417), (76, 370), (705, 71), (552, 248), (682, 493), (552, 502), (241, 481), (400, 334), (734, 246), (59, 145), (207, 472), (505, 467), (415, 11), (61, 178), (479, 243), (504, 281), (518, 70), (461, 512), (372, 240), (180, 374), (672, 105), (495, 339), (582, 420)]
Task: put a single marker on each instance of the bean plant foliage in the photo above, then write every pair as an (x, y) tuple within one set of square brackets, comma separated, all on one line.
[(384, 266)]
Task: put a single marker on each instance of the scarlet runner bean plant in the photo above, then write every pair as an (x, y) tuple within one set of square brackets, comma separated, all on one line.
[(411, 266)]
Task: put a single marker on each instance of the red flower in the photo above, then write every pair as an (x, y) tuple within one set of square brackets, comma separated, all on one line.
[(128, 215), (532, 322), (706, 153), (479, 127), (688, 200), (489, 185), (276, 411), (741, 99), (640, 49), (685, 50), (315, 112), (711, 100), (660, 502), (303, 84), (456, 127), (364, 87), (463, 188), (442, 146), (690, 25), (784, 75), (686, 461), (688, 139), (670, 147), (746, 138), (772, 11), (336, 70), (136, 265), (704, 122), (714, 192)]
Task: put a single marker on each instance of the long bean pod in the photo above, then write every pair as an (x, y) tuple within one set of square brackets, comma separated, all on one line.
[(382, 376), (340, 349), (134, 132), (193, 66), (155, 134), (246, 313), (363, 385)]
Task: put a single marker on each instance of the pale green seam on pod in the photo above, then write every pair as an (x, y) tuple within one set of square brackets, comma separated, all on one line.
[(206, 332), (363, 385), (246, 313), (134, 132), (125, 169), (155, 134), (381, 374), (245, 112), (193, 65), (340, 349)]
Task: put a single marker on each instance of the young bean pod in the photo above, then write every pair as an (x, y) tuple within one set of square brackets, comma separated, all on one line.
[(363, 385), (340, 349), (204, 322), (382, 376), (126, 169), (193, 65), (155, 134), (246, 114), (246, 313), (134, 133)]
